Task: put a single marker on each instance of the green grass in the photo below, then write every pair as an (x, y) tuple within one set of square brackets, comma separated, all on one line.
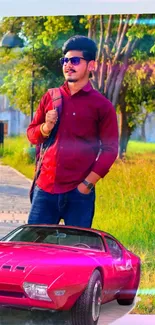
[(140, 147), (125, 205), (14, 154), (140, 151)]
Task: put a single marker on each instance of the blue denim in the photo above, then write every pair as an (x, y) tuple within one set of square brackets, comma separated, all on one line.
[(75, 208)]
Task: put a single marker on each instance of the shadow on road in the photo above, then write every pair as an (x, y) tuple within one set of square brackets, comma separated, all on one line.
[(110, 312), (14, 190)]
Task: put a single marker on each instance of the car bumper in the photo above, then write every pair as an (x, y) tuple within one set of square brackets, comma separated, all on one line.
[(15, 297)]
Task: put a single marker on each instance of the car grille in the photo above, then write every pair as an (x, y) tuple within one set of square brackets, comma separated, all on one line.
[(12, 294)]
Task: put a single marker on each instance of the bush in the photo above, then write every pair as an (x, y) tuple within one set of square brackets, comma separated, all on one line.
[(29, 155)]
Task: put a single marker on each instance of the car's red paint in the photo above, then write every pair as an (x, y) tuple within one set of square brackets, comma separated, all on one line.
[(68, 268)]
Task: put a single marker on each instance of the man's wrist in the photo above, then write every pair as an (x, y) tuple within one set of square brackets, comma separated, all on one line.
[(44, 130), (89, 185)]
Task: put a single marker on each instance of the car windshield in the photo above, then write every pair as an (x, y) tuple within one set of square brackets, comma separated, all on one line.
[(55, 235)]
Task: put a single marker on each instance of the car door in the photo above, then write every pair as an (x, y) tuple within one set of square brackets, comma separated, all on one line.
[(105, 259), (122, 266)]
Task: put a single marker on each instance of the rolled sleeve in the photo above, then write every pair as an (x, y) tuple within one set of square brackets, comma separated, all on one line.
[(108, 134)]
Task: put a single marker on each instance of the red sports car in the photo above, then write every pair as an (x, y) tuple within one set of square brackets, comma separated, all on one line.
[(66, 268)]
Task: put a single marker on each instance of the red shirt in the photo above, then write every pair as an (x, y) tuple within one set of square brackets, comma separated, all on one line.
[(88, 125)]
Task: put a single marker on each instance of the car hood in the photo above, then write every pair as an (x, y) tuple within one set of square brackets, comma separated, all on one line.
[(23, 260)]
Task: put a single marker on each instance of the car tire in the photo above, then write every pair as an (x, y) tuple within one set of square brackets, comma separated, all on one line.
[(129, 300), (86, 310)]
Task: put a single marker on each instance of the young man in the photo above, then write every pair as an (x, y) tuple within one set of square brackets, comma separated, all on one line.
[(85, 147)]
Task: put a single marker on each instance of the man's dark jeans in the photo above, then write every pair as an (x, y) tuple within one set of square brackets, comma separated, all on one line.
[(75, 208)]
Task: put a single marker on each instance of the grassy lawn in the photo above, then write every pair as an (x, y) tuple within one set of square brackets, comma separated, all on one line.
[(136, 147), (125, 205), (14, 154)]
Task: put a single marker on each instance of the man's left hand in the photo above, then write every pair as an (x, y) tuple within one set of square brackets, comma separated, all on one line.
[(82, 188)]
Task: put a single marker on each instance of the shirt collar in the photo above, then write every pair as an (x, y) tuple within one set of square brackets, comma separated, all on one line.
[(88, 87)]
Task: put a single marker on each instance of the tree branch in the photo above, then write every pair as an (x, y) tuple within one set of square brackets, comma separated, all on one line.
[(130, 46), (99, 56), (109, 29), (120, 28), (122, 39), (90, 30), (101, 37), (103, 72)]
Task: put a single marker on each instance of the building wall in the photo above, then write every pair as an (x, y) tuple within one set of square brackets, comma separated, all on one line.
[(16, 122), (149, 129)]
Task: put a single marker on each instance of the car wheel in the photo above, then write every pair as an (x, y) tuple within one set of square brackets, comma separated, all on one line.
[(129, 300), (86, 311)]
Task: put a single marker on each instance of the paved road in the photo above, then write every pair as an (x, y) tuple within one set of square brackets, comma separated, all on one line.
[(14, 198), (111, 313), (6, 227), (14, 208)]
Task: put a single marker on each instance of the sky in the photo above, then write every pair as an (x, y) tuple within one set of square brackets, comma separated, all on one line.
[(74, 7)]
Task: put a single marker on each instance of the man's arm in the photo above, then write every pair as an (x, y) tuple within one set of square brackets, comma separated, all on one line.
[(108, 133), (43, 121)]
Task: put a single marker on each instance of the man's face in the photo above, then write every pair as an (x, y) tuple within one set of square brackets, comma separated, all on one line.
[(76, 72)]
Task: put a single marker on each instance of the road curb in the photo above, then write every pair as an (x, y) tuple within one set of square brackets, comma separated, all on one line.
[(12, 222), (13, 217), (19, 173)]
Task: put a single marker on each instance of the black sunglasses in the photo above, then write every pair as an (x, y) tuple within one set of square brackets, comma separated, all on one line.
[(75, 60)]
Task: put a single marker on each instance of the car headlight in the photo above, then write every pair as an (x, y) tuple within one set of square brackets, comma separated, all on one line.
[(36, 291)]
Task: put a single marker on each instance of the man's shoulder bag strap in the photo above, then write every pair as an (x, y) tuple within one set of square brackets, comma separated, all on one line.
[(56, 97)]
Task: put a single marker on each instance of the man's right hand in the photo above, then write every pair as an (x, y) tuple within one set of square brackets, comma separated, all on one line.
[(50, 120)]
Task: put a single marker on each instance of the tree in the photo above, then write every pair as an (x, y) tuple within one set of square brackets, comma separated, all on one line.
[(118, 38), (36, 68), (137, 99)]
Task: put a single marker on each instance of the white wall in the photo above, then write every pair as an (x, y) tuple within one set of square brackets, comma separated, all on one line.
[(17, 121)]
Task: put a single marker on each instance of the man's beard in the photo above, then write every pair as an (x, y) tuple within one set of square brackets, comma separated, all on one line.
[(71, 80)]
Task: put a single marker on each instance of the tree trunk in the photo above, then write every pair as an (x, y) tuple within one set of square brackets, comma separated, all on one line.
[(92, 27), (125, 133), (118, 84), (143, 133)]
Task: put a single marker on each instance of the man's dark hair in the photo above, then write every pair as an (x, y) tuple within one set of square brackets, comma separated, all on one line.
[(81, 43)]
